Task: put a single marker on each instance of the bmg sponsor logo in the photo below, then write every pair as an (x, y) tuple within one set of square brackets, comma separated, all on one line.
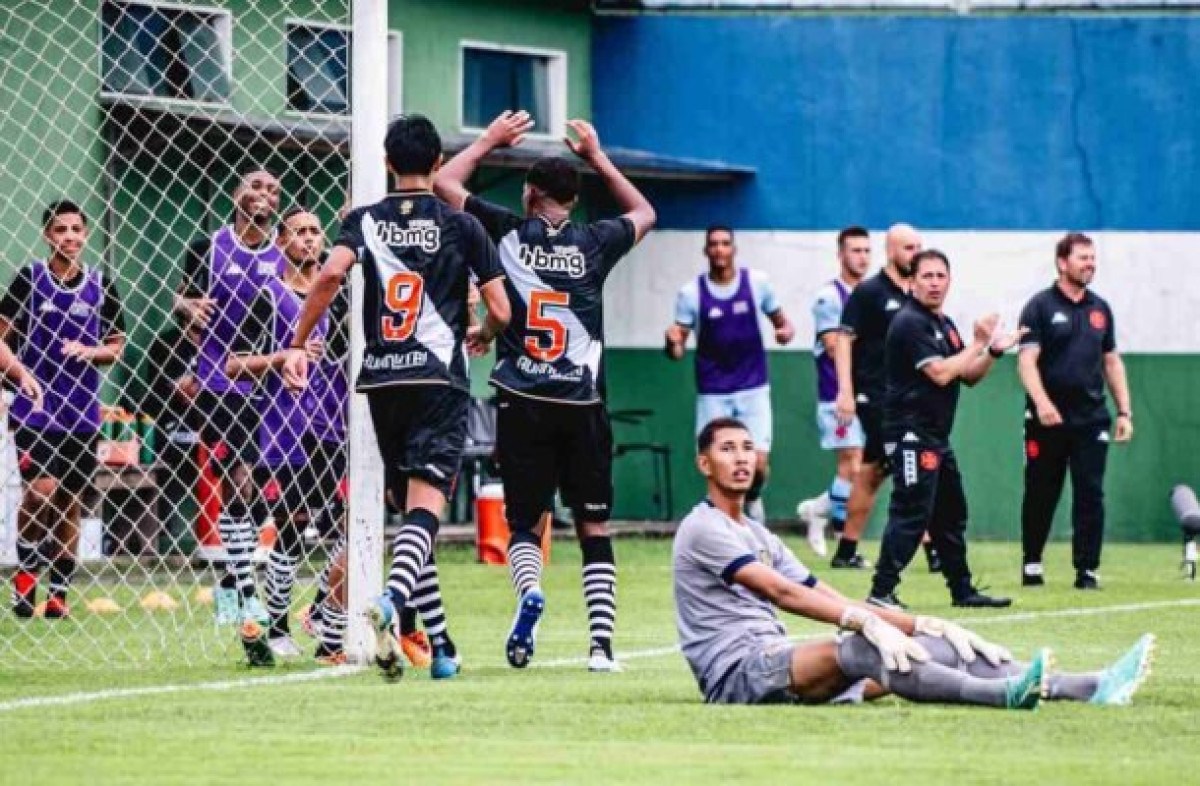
[(420, 233)]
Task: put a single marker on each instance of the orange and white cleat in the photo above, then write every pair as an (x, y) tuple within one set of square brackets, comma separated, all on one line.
[(416, 649), (332, 658)]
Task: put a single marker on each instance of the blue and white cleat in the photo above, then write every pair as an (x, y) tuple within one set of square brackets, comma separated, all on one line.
[(522, 639), (444, 666), (1121, 680), (387, 647), (226, 606)]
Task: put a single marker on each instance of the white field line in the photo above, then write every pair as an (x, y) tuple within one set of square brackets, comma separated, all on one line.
[(186, 687), (69, 699), (973, 622)]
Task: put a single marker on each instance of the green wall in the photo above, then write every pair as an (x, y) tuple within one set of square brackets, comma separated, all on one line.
[(987, 437)]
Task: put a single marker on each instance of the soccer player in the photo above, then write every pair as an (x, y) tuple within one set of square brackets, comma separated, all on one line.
[(722, 307), (926, 362), (553, 432), (417, 255), (731, 574), (287, 444), (222, 277), (65, 317), (858, 360), (854, 258), (1066, 357)]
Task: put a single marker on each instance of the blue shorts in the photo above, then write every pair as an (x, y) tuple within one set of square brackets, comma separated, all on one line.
[(835, 437), (752, 407)]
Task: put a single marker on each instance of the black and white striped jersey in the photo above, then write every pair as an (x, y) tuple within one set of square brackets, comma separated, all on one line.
[(553, 348)]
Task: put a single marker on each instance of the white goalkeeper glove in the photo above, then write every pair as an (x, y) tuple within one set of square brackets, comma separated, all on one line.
[(966, 643), (895, 648)]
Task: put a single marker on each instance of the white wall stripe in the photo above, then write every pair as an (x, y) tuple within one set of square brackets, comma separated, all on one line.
[(1151, 279)]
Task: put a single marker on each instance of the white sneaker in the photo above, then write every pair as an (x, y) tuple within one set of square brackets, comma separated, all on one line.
[(284, 647), (809, 512), (601, 663)]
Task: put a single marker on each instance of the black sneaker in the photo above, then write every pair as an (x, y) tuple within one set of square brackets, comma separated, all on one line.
[(1032, 575), (1087, 580), (977, 600), (855, 562), (888, 601)]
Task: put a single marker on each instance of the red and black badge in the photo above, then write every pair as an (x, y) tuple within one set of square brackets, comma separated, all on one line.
[(1032, 449), (1097, 319), (929, 460)]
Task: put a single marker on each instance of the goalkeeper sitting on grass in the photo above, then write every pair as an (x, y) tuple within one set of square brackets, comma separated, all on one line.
[(730, 574)]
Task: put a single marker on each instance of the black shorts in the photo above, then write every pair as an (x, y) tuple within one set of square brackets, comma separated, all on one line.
[(871, 418), (229, 428), (67, 456), (329, 472), (291, 489), (544, 446), (421, 430)]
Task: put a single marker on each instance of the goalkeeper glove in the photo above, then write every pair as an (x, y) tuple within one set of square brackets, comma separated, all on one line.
[(966, 643), (895, 648)]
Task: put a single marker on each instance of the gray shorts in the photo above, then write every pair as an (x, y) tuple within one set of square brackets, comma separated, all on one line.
[(764, 676)]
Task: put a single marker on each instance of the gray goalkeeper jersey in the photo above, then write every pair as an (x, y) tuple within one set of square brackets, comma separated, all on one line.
[(720, 622)]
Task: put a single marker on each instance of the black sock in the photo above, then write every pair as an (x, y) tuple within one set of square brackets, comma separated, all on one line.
[(846, 548), (62, 570)]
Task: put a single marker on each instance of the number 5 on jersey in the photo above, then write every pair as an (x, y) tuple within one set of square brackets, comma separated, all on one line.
[(403, 296), (539, 321)]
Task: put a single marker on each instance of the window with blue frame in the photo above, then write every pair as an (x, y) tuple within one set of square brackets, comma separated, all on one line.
[(495, 80), (318, 69), (165, 52)]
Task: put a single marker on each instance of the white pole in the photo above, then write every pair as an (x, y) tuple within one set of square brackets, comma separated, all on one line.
[(368, 179)]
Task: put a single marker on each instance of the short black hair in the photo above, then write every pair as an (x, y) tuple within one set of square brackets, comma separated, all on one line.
[(849, 232), (1064, 247), (708, 232), (708, 434), (556, 177), (929, 253), (61, 207), (294, 210), (250, 167), (412, 145)]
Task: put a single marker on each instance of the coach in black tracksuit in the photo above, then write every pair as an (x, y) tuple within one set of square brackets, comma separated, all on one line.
[(1067, 354), (926, 361)]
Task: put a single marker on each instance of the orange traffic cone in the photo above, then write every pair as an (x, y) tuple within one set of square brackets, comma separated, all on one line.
[(491, 527)]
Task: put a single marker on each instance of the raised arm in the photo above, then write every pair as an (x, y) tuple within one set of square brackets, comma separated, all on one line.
[(322, 293), (633, 204), (507, 130)]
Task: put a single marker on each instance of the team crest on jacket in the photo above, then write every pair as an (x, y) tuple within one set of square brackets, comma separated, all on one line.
[(1097, 318), (929, 460)]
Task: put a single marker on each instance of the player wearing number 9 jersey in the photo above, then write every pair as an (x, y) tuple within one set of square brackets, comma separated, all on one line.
[(417, 255), (553, 432)]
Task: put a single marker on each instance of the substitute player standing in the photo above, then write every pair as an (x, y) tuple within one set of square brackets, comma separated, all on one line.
[(722, 307), (1067, 355), (731, 574), (553, 431), (222, 277), (858, 358), (926, 361), (854, 258), (66, 320), (417, 255)]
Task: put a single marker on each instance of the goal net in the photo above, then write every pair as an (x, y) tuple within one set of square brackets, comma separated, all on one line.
[(170, 125)]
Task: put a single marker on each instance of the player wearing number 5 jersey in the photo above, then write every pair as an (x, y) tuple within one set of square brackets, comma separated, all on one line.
[(553, 431), (417, 254)]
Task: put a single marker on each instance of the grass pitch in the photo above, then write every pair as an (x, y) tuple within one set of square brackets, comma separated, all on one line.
[(555, 723)]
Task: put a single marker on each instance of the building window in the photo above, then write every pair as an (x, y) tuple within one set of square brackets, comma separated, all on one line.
[(165, 51), (318, 69), (496, 78)]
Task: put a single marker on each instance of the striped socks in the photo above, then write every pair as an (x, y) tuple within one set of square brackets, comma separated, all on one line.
[(238, 536), (427, 600), (600, 590), (524, 562), (410, 550)]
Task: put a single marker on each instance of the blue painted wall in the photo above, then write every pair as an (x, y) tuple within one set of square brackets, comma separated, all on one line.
[(1023, 122)]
